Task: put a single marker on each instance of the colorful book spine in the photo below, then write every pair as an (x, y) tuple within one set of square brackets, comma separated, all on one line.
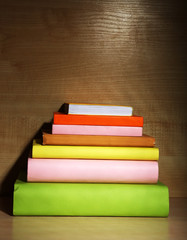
[(97, 130), (94, 152), (98, 120), (81, 170), (96, 140), (90, 199)]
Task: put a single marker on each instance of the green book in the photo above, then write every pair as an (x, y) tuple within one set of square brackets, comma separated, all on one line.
[(90, 199)]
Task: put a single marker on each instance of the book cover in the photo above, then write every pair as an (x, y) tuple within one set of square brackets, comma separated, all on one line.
[(94, 140), (90, 199), (94, 152), (83, 170), (97, 109), (66, 119), (97, 130)]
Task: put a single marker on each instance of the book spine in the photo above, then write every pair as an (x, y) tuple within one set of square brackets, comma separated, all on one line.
[(90, 199), (97, 130), (92, 109), (65, 119), (70, 170), (91, 140), (94, 152)]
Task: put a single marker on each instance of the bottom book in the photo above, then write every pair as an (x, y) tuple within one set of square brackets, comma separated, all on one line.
[(90, 199)]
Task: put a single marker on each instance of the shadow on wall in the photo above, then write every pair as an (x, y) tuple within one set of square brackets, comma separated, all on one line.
[(7, 187), (20, 165)]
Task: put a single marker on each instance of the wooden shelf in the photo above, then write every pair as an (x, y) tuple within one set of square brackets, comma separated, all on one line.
[(23, 227), (111, 52)]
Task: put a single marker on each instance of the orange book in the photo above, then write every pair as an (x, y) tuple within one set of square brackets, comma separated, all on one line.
[(95, 140), (99, 120)]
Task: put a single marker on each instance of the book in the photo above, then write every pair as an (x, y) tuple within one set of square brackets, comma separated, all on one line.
[(83, 170), (94, 140), (94, 152), (90, 199), (69, 119), (97, 130), (97, 109)]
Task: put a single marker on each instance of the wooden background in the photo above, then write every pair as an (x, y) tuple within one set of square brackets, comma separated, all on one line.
[(115, 52)]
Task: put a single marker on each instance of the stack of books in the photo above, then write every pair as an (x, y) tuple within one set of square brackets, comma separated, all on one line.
[(96, 162)]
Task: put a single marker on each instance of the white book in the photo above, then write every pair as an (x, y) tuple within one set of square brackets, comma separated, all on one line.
[(98, 109)]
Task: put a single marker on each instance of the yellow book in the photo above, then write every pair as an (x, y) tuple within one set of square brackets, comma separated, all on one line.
[(94, 152)]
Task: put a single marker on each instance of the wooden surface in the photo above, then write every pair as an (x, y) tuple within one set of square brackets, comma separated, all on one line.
[(67, 228), (116, 52)]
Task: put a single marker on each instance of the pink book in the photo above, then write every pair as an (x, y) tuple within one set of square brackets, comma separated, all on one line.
[(97, 130), (81, 170)]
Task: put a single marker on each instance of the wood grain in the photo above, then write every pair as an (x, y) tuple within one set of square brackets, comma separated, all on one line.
[(116, 52)]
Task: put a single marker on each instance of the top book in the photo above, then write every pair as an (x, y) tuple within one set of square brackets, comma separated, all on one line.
[(97, 109)]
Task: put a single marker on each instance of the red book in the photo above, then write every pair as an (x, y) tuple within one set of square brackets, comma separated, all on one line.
[(99, 120)]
